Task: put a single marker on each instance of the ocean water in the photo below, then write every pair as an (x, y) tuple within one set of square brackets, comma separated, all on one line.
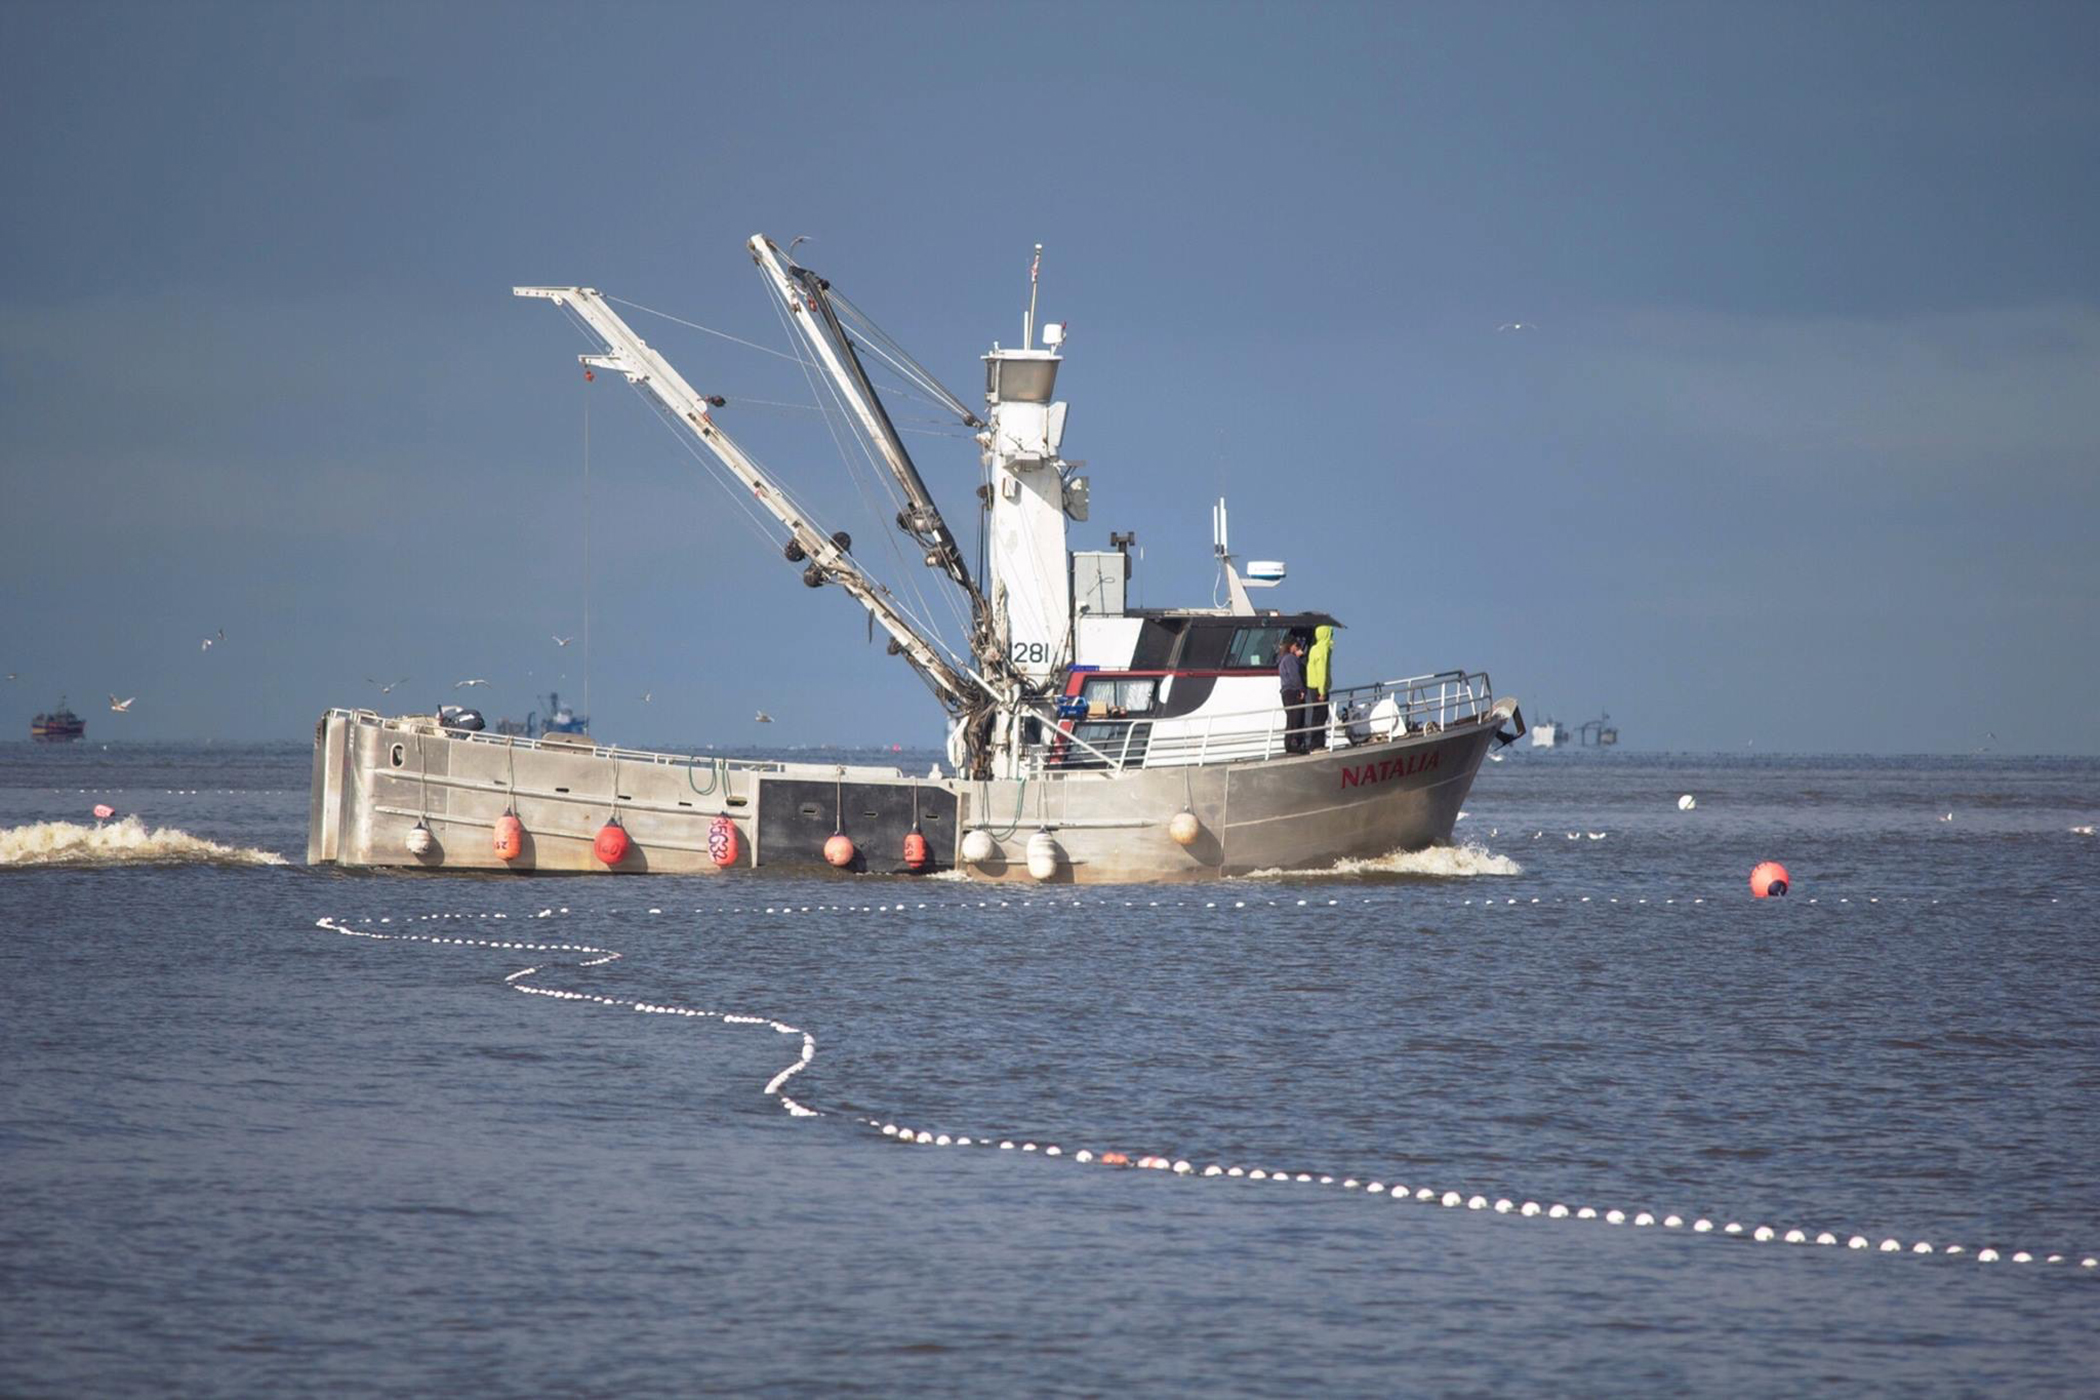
[(272, 1130)]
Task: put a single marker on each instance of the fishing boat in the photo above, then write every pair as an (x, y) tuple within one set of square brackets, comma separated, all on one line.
[(58, 726), (1088, 740)]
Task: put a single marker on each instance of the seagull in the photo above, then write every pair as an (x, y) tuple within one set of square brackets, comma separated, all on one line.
[(206, 646), (386, 689), (1597, 835), (764, 718), (13, 676), (563, 641), (646, 695), (1518, 326), (477, 681), (120, 706)]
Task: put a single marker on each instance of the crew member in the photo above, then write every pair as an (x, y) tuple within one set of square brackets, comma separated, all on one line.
[(1290, 678), (1318, 674)]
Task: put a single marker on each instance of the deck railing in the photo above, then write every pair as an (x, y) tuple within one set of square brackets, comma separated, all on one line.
[(582, 744), (1357, 714)]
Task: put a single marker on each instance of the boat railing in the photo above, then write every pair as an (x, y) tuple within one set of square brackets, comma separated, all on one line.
[(575, 744), (1358, 714)]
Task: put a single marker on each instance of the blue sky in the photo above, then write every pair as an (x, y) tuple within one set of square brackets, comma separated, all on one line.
[(1800, 451)]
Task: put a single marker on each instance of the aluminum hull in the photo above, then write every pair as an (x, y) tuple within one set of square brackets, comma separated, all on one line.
[(374, 779)]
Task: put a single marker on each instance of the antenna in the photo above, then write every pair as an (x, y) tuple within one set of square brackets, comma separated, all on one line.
[(1220, 545), (1028, 325)]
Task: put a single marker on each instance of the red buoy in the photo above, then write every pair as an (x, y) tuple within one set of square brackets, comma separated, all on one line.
[(1769, 878), (611, 845), (839, 849), (916, 851), (510, 836), (722, 843)]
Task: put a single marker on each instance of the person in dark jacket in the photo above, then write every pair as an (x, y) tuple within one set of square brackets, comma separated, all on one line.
[(1290, 678)]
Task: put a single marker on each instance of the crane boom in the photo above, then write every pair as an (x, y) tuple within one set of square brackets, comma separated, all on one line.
[(961, 689), (806, 297)]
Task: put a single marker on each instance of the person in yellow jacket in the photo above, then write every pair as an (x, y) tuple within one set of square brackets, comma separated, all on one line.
[(1319, 671)]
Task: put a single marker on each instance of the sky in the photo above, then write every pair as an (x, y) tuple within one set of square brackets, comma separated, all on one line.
[(1796, 451)]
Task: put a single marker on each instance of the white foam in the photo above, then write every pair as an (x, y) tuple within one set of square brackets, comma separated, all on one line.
[(124, 842), (1437, 861)]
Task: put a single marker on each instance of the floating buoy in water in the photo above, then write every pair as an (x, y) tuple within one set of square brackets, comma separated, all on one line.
[(510, 836), (722, 843), (839, 849), (1184, 827), (977, 845), (611, 845), (1042, 854), (103, 811), (916, 853), (1686, 803), (420, 840), (1769, 878)]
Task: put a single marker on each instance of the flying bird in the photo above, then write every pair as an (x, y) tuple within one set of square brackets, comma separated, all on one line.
[(13, 676), (646, 695), (764, 718), (120, 706), (386, 689), (476, 681), (563, 641), (1518, 326)]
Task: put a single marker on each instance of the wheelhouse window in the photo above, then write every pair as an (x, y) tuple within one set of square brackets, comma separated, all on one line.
[(1255, 648), (1115, 697)]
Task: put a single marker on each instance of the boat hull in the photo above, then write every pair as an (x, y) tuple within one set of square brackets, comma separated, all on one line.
[(376, 779)]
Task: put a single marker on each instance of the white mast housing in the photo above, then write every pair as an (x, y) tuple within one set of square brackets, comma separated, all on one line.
[(1031, 570)]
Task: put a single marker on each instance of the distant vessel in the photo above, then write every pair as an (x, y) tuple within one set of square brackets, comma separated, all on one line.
[(1600, 732), (60, 726), (560, 720), (1546, 733)]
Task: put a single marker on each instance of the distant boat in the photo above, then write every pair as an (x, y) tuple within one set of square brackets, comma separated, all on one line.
[(1546, 733), (60, 726), (560, 720)]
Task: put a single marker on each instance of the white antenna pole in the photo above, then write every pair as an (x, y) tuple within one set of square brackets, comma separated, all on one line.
[(1028, 325)]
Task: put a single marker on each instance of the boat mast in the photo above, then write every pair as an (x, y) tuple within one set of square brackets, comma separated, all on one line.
[(962, 690)]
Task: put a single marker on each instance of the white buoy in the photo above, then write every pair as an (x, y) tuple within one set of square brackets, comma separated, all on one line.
[(977, 845), (1184, 827), (1042, 855), (420, 840), (1686, 803)]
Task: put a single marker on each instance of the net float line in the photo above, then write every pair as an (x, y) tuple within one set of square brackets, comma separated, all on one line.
[(1394, 1192)]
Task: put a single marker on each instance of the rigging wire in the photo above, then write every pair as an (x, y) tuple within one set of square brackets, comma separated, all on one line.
[(879, 338), (695, 325), (586, 552)]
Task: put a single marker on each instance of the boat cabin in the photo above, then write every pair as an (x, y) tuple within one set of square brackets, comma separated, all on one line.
[(1160, 687)]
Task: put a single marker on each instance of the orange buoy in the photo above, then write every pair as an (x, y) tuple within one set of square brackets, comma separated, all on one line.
[(916, 851), (510, 836), (839, 849), (611, 845), (1114, 1159), (722, 843), (1769, 878)]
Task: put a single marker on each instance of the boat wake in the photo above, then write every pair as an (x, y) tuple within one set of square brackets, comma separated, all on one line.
[(1437, 862), (77, 845)]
